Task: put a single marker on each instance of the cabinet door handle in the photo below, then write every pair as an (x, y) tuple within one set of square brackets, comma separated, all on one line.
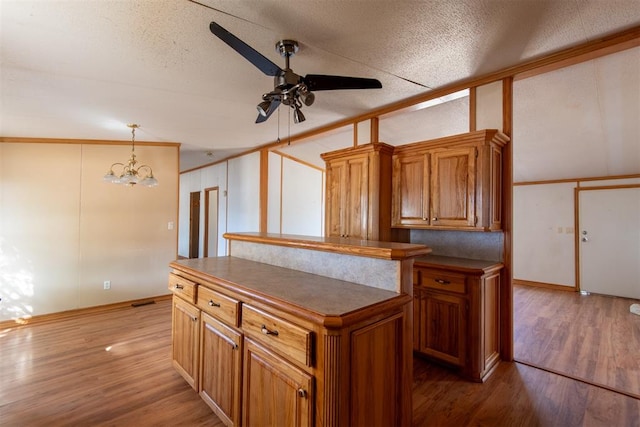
[(267, 331), (302, 393), (435, 218), (442, 282), (179, 287), (213, 304), (195, 319)]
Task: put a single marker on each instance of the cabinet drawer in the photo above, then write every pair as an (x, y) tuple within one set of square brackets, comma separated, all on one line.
[(443, 281), (182, 287), (219, 305), (278, 334)]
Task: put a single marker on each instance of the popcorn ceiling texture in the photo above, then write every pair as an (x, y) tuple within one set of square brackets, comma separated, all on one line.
[(377, 273)]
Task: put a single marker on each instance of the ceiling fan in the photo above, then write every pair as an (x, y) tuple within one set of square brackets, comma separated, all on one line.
[(288, 87)]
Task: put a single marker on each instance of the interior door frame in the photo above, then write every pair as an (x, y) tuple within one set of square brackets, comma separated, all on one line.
[(207, 196)]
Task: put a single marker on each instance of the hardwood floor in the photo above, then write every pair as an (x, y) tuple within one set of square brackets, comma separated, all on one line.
[(594, 338), (110, 369), (114, 369)]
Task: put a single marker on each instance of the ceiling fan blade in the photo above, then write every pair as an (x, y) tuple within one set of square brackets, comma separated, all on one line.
[(249, 53), (322, 82), (273, 107)]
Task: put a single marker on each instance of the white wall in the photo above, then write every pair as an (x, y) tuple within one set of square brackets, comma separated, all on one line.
[(198, 180), (63, 231), (295, 202), (189, 183), (489, 106), (576, 122), (243, 194), (302, 199), (274, 203), (543, 233)]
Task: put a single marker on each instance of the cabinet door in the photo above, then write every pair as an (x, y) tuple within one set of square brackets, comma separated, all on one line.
[(410, 190), (220, 369), (276, 393), (185, 340), (443, 327), (357, 206), (347, 207), (336, 177), (453, 174)]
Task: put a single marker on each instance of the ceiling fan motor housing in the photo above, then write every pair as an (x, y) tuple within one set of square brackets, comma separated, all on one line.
[(286, 79)]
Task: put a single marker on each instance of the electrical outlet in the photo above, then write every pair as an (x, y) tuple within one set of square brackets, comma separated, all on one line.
[(107, 285)]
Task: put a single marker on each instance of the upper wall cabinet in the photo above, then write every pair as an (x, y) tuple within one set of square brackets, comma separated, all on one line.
[(358, 196), (449, 183)]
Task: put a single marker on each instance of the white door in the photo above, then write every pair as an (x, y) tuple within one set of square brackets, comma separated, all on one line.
[(609, 247)]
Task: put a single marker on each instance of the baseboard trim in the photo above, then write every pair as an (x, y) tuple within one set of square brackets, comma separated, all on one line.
[(582, 380), (545, 285), (62, 315)]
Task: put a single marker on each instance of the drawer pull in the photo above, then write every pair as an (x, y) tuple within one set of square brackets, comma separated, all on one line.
[(268, 332), (302, 393), (179, 287), (442, 282), (213, 304)]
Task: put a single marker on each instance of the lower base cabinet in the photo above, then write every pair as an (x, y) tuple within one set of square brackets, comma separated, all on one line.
[(456, 314)]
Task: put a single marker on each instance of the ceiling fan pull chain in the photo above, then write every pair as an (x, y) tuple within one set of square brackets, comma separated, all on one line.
[(289, 129), (278, 125)]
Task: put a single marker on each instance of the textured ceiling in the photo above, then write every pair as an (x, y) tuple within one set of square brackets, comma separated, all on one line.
[(83, 69)]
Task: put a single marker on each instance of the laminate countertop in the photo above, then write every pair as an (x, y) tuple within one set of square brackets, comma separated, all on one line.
[(464, 265), (290, 290)]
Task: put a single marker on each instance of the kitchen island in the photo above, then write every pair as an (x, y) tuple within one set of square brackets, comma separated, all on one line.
[(276, 334)]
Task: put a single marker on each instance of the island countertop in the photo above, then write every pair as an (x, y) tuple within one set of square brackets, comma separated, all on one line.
[(341, 245), (327, 300)]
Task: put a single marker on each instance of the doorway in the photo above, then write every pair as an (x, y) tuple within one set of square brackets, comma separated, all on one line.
[(194, 224), (211, 221)]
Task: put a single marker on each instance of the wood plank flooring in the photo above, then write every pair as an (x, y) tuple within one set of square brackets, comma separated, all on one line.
[(114, 369), (594, 337)]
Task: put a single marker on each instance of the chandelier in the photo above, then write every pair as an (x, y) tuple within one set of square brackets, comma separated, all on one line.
[(130, 175)]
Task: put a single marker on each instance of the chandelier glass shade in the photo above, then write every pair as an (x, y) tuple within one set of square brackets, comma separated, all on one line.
[(131, 175)]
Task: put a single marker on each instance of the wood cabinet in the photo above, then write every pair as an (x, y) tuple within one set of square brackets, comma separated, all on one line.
[(441, 322), (456, 313), (358, 192), (449, 183), (221, 369), (276, 393), (185, 335), (282, 354)]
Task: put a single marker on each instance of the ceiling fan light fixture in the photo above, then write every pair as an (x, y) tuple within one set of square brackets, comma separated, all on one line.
[(305, 96), (263, 107), (298, 117)]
